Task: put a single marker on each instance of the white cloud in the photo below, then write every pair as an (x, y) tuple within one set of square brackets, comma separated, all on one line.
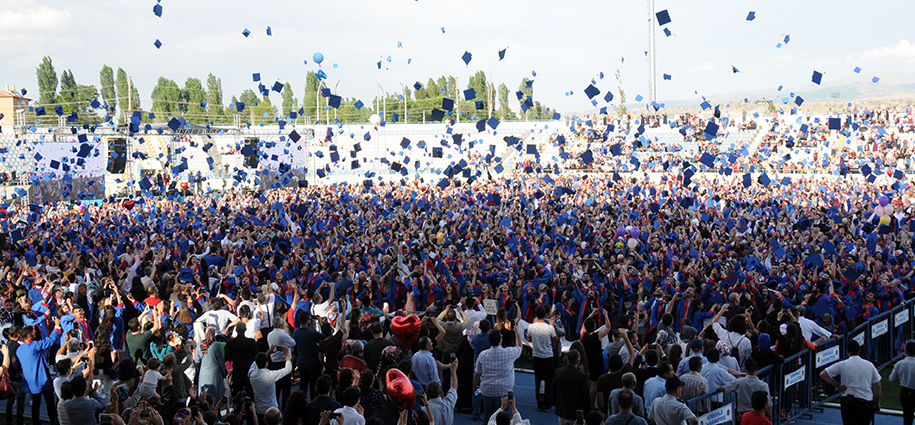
[(904, 51), (783, 58), (27, 17), (702, 68)]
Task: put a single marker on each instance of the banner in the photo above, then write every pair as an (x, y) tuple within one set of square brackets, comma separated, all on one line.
[(718, 416)]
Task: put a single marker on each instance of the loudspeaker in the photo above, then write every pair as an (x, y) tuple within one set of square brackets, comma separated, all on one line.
[(117, 155), (251, 158)]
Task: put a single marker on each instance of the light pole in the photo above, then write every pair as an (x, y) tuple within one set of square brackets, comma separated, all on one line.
[(335, 93), (652, 79), (404, 89), (384, 103)]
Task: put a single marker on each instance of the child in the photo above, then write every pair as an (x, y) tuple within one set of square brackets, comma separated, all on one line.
[(151, 379)]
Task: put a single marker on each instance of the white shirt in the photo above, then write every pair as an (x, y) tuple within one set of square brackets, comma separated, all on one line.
[(351, 416), (473, 316), (734, 339), (542, 339), (808, 329), (280, 339), (218, 318), (263, 382), (858, 375)]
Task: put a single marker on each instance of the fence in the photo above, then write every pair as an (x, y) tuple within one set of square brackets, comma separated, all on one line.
[(795, 385)]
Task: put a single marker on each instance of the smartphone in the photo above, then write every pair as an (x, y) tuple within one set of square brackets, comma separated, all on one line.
[(334, 416), (104, 418), (580, 416), (145, 413), (511, 395)]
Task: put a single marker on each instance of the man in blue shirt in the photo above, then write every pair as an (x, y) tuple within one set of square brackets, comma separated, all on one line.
[(425, 367), (306, 345), (654, 387), (33, 358)]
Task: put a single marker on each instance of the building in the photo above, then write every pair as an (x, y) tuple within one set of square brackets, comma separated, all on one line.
[(10, 102)]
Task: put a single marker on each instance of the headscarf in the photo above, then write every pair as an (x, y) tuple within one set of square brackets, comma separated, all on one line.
[(723, 349), (208, 339), (765, 343)]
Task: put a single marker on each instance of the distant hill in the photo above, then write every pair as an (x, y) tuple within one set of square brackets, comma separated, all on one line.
[(892, 85)]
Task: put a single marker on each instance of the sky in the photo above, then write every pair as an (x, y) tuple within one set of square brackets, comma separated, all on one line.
[(567, 43)]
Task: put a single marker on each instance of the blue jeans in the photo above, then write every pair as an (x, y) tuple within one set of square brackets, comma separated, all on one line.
[(490, 405), (477, 402)]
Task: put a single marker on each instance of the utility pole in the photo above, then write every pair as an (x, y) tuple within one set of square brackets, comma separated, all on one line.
[(652, 79), (457, 101), (129, 97)]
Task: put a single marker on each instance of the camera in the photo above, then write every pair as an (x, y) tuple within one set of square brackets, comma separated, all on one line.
[(104, 418)]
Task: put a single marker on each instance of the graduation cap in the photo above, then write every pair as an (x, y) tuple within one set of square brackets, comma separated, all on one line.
[(481, 125), (765, 180), (278, 87), (470, 94), (897, 175), (663, 17), (835, 124), (591, 91), (502, 53), (799, 100), (437, 114), (817, 77), (707, 159), (157, 43), (751, 16), (615, 150), (246, 32), (711, 129), (174, 124), (447, 104), (532, 149), (747, 180), (734, 69), (875, 79), (479, 105), (803, 224), (813, 260), (334, 101), (256, 76), (667, 76), (436, 152), (466, 58), (493, 123), (608, 97), (84, 150)]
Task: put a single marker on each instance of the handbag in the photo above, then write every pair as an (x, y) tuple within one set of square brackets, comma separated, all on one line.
[(6, 387)]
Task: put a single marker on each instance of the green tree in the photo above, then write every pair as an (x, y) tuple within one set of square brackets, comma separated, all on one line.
[(432, 89), (215, 110), (193, 95), (106, 84), (126, 92), (255, 108), (505, 110), (480, 85), (309, 98), (290, 103), (166, 96), (67, 83), (47, 81)]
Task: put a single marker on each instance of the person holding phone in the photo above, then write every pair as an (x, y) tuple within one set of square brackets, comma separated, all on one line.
[(508, 414)]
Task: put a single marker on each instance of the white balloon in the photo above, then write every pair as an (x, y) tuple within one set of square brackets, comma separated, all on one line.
[(889, 209), (375, 119), (633, 242)]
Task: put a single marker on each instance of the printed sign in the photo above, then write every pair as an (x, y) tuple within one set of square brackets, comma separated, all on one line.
[(718, 416), (795, 377), (859, 338), (827, 356), (879, 328), (491, 306), (902, 317)]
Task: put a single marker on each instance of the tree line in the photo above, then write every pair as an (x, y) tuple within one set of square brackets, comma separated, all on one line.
[(203, 103)]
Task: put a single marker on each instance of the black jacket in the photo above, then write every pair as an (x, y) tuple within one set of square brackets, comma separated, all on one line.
[(570, 386)]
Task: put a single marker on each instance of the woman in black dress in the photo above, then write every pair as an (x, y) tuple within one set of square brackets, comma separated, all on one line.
[(593, 351)]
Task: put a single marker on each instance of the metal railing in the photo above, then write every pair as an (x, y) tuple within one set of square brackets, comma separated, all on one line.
[(795, 385)]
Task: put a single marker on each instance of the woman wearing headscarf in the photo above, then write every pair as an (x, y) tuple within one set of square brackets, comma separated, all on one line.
[(763, 353), (212, 365)]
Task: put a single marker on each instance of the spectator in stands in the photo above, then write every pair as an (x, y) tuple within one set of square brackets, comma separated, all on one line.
[(425, 366), (761, 410), (669, 410), (745, 387), (84, 405), (306, 344), (904, 374), (351, 410), (624, 414), (441, 404), (655, 387), (860, 386), (637, 404), (571, 388)]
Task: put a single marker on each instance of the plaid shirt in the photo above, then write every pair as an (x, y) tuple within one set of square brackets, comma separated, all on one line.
[(496, 367)]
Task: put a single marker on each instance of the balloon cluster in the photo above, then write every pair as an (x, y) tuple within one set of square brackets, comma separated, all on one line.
[(884, 210), (633, 233)]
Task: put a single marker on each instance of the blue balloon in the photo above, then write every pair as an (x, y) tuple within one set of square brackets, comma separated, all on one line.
[(318, 57)]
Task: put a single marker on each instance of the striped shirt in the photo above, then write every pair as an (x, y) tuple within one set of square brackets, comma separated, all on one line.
[(496, 367), (695, 385)]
